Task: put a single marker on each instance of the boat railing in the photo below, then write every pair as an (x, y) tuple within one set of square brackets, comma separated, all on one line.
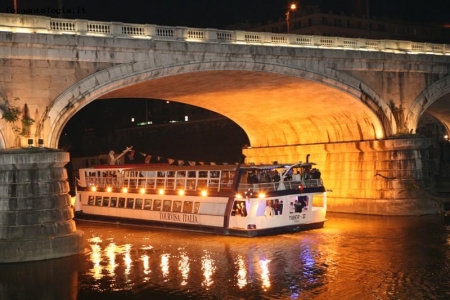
[(277, 186)]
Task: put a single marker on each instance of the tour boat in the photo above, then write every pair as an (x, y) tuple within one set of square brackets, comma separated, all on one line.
[(229, 199)]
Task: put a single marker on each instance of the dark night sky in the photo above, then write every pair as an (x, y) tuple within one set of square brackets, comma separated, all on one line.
[(220, 13)]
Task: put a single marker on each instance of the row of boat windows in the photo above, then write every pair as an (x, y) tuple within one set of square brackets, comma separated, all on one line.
[(189, 207), (188, 180), (163, 174)]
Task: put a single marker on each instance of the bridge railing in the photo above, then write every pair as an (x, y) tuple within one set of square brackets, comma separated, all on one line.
[(47, 25)]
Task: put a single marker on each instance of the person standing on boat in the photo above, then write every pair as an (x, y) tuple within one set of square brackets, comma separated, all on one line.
[(115, 160)]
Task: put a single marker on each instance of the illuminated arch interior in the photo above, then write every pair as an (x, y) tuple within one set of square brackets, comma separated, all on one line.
[(273, 109)]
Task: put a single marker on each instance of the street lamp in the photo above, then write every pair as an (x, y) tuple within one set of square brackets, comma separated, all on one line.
[(292, 7)]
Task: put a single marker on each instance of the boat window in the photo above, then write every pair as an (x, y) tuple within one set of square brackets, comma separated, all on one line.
[(300, 204), (180, 183), (121, 202), (157, 205), (190, 184), (191, 174), (167, 205), (272, 207), (261, 209), (170, 184), (113, 201), (187, 207), (105, 201), (91, 200), (181, 173), (226, 179), (148, 204), (304, 201), (130, 202), (138, 204), (196, 207), (239, 209), (202, 183), (98, 201), (176, 206)]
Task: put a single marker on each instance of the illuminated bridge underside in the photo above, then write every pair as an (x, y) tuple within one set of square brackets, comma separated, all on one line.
[(273, 109)]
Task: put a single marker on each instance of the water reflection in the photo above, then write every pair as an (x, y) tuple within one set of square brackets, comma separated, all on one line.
[(208, 268), (183, 266), (351, 257)]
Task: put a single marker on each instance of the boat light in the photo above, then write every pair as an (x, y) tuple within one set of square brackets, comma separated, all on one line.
[(161, 192), (204, 193), (142, 191), (124, 190), (94, 188), (109, 189), (239, 196), (181, 192), (261, 195)]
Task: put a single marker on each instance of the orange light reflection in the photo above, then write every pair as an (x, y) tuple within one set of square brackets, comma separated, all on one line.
[(128, 261), (111, 250), (96, 258), (165, 264), (183, 266), (241, 273), (265, 273), (208, 270)]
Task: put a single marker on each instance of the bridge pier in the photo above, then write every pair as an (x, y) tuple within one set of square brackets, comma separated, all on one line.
[(36, 219), (380, 177)]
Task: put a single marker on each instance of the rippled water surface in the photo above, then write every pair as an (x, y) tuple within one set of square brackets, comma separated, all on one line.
[(352, 257)]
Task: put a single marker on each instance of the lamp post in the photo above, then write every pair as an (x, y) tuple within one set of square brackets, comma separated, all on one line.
[(292, 7)]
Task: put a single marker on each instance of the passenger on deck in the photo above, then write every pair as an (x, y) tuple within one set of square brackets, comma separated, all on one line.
[(133, 158), (276, 177), (114, 159), (296, 176), (315, 174), (252, 178)]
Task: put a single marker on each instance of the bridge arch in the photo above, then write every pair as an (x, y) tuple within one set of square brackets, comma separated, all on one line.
[(435, 100), (297, 97)]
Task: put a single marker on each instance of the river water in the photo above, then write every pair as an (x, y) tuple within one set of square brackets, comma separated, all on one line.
[(352, 257)]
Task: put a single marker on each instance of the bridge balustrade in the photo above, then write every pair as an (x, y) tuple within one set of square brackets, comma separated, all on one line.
[(47, 25)]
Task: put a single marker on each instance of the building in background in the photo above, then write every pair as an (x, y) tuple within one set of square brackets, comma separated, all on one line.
[(311, 20)]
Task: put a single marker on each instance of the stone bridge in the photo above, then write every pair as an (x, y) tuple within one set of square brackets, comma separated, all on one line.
[(353, 104)]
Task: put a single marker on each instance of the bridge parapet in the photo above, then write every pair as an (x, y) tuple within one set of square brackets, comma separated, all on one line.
[(46, 25)]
